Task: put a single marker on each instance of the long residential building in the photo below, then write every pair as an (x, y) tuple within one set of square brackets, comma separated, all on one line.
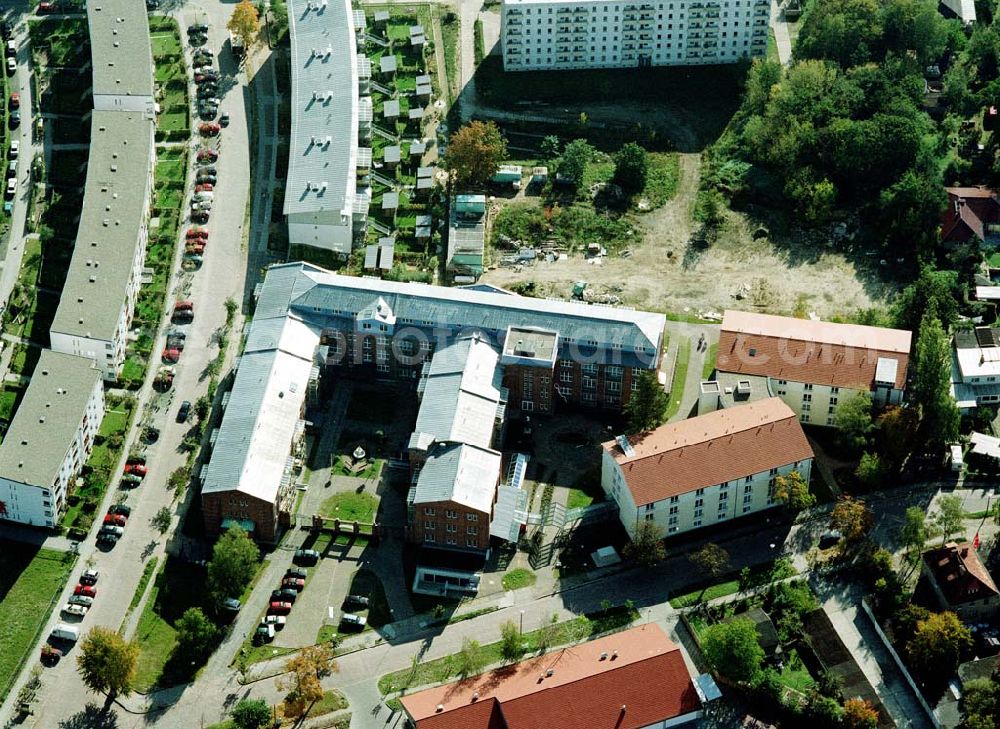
[(541, 35), (102, 284), (813, 365), (635, 679), (471, 353), (331, 128), (50, 438), (707, 469)]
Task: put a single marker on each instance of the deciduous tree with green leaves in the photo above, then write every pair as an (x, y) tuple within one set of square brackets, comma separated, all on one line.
[(573, 162), (937, 645), (511, 642), (948, 517), (939, 415), (470, 659), (853, 419), (851, 518), (712, 560), (474, 155), (196, 635), (107, 662), (234, 561), (913, 534), (870, 471), (733, 650), (251, 714), (793, 491), (646, 546), (631, 168)]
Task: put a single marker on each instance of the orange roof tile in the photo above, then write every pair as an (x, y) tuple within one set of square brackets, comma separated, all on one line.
[(801, 350), (641, 681), (959, 573), (711, 449)]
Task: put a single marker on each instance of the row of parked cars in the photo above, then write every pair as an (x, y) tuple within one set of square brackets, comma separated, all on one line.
[(281, 602), (115, 520), (77, 606)]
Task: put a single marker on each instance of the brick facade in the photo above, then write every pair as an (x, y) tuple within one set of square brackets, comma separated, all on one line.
[(236, 505), (430, 524)]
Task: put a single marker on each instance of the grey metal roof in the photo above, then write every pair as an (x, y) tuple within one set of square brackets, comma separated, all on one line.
[(460, 473), (580, 326), (119, 176), (120, 48), (324, 104), (462, 394), (46, 422), (390, 109)]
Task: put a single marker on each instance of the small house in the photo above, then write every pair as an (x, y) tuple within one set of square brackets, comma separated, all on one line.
[(391, 156), (424, 186), (417, 149), (424, 223), (371, 257), (961, 582), (381, 18), (539, 175), (415, 115), (387, 66), (507, 175), (767, 634), (423, 172), (390, 202), (386, 253), (390, 110), (359, 20)]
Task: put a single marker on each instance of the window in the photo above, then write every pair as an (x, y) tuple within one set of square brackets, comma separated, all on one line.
[(696, 523), (472, 530), (699, 502), (471, 543), (672, 520), (753, 352), (650, 517), (748, 479), (472, 517), (723, 505), (671, 530), (833, 390), (699, 492), (451, 540), (774, 472), (808, 387), (428, 537), (747, 508), (565, 376), (527, 406), (430, 524), (650, 507), (806, 407), (383, 368), (674, 499), (451, 528), (589, 397), (698, 513), (724, 496), (589, 369), (451, 513), (674, 509), (747, 498)]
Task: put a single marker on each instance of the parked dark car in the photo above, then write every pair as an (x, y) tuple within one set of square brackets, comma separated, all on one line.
[(120, 509), (349, 621), (107, 540), (306, 556), (184, 411), (297, 572), (285, 595), (197, 28), (356, 601)]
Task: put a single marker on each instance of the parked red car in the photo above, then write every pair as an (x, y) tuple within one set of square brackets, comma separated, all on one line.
[(85, 590), (183, 305), (195, 248), (207, 155), (15, 100), (295, 583), (137, 468), (116, 519), (209, 129), (280, 608), (196, 233), (171, 356), (204, 187)]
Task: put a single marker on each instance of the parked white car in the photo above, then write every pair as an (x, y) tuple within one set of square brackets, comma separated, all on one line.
[(78, 610), (278, 621)]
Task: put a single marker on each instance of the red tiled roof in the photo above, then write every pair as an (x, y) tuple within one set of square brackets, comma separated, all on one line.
[(959, 573), (711, 449), (801, 350), (642, 680), (968, 212)]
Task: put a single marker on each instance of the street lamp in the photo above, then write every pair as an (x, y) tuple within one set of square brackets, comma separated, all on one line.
[(522, 623)]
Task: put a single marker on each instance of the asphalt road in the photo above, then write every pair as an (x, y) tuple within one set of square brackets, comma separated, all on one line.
[(221, 277)]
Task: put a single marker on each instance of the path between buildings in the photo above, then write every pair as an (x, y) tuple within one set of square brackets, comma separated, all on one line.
[(780, 28)]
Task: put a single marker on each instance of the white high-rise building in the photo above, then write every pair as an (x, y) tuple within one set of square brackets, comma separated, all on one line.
[(564, 34)]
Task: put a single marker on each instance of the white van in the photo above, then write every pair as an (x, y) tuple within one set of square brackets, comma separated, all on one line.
[(66, 632)]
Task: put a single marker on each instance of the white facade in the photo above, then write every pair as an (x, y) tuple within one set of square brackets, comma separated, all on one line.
[(566, 34), (698, 508)]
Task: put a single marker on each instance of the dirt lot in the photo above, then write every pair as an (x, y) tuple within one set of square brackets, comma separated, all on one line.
[(776, 277)]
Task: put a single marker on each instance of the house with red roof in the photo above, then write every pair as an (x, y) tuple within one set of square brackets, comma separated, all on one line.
[(628, 680), (707, 469), (960, 582), (812, 365), (972, 213)]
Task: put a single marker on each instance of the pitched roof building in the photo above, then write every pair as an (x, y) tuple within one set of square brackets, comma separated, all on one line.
[(809, 362), (683, 475), (961, 582), (970, 213), (636, 678)]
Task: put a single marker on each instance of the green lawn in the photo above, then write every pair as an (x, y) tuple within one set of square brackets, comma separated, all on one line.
[(518, 578), (794, 674), (661, 179), (730, 587), (709, 367), (147, 572), (759, 575), (351, 506), (571, 631), (680, 376), (30, 580)]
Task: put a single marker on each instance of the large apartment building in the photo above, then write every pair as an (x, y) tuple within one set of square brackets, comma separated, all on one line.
[(325, 205), (470, 352), (122, 56), (50, 438), (541, 35), (812, 365), (705, 470)]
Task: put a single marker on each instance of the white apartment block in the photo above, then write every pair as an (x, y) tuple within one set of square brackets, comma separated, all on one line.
[(50, 438), (539, 35), (811, 365), (705, 470)]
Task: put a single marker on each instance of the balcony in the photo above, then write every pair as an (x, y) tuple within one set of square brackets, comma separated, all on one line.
[(515, 11), (564, 11), (515, 32), (628, 47), (513, 22)]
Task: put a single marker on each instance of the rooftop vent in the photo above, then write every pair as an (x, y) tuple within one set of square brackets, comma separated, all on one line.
[(604, 656), (475, 696), (440, 707), (626, 447), (548, 673), (614, 655)]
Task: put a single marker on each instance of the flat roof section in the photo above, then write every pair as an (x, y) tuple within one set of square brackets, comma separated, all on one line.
[(114, 211), (46, 422), (119, 42), (321, 171)]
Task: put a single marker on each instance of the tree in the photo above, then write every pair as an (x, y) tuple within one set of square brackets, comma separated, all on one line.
[(948, 518), (937, 292), (546, 635), (474, 154), (733, 650), (859, 714), (646, 546), (195, 635), (712, 560), (793, 491), (470, 660), (107, 662), (913, 533), (251, 714), (870, 470), (646, 408), (931, 382), (980, 703), (233, 564), (551, 146), (245, 22), (303, 674), (631, 168), (851, 518), (896, 429), (853, 418), (161, 520), (935, 648), (511, 642), (573, 162)]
